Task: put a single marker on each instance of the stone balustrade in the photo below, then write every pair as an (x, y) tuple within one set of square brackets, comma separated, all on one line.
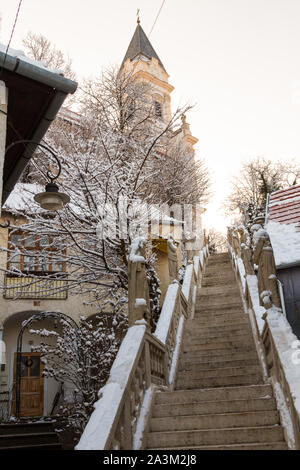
[(272, 333), (144, 360)]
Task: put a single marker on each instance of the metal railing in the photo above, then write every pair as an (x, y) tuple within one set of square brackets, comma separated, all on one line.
[(27, 287)]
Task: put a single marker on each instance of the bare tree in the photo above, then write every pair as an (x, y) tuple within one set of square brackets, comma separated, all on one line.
[(107, 164), (255, 180), (216, 241), (180, 178), (80, 358), (39, 48)]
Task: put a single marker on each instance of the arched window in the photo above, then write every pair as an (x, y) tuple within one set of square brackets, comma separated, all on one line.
[(158, 109)]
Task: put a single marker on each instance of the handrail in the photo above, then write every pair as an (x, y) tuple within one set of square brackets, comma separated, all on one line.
[(274, 341), (144, 361)]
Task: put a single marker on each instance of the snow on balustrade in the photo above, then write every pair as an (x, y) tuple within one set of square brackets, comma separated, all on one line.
[(186, 286), (167, 310), (281, 353), (142, 361), (100, 423)]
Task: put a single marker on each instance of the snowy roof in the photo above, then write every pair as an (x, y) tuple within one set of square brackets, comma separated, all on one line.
[(284, 206), (21, 197), (284, 225), (70, 116), (140, 45), (19, 54), (35, 95)]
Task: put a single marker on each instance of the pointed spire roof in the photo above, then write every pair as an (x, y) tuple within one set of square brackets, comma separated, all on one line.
[(140, 44)]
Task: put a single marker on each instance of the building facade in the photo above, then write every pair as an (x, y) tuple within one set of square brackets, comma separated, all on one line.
[(21, 298)]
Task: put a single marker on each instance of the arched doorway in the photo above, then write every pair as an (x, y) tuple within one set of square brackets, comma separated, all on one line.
[(31, 394)]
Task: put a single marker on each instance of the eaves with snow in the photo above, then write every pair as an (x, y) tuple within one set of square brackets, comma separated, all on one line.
[(283, 226), (35, 95)]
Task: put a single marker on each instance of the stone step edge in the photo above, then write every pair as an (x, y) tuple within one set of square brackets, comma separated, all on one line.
[(223, 446), (209, 389), (31, 446), (259, 428), (204, 402), (229, 413), (28, 434), (256, 367)]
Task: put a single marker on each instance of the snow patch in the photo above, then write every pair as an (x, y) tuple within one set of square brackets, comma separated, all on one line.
[(254, 295), (142, 419), (284, 340), (137, 243), (167, 310), (186, 286), (285, 415), (140, 302), (285, 242)]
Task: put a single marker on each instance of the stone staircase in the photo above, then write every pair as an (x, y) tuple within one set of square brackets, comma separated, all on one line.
[(29, 436), (220, 400)]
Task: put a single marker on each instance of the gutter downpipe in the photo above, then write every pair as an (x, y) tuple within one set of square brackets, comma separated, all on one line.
[(267, 209)]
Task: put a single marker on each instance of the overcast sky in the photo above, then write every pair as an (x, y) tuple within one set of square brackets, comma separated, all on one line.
[(237, 60)]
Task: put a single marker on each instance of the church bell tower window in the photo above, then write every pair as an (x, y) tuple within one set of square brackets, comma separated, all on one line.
[(158, 109)]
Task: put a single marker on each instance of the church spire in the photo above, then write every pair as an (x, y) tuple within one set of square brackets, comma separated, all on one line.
[(140, 45)]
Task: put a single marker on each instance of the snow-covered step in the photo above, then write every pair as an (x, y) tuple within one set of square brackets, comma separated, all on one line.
[(211, 353), (200, 373), (241, 325), (213, 407), (218, 363), (249, 446), (219, 381), (180, 439), (213, 335), (220, 400), (217, 394), (209, 345), (215, 421)]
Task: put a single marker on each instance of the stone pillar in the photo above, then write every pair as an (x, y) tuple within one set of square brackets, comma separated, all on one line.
[(172, 258), (245, 250), (138, 289), (267, 280), (189, 244)]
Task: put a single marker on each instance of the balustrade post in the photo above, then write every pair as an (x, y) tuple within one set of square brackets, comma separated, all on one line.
[(127, 423), (147, 364)]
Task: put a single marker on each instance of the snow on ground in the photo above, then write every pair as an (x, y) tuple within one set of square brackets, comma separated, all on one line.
[(285, 242)]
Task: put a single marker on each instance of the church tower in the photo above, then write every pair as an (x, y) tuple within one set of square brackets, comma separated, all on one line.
[(143, 62)]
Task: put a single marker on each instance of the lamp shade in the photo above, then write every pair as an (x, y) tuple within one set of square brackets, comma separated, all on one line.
[(51, 199)]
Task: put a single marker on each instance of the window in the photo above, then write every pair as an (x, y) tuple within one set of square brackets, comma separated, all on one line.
[(158, 109), (33, 254)]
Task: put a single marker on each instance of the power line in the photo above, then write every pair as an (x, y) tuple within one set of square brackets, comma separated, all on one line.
[(11, 35), (157, 16)]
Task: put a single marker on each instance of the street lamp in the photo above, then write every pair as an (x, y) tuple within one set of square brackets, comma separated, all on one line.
[(51, 199)]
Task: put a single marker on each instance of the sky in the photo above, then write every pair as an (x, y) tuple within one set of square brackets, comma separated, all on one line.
[(237, 61)]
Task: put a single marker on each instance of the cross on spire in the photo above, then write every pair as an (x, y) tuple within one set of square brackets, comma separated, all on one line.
[(138, 16)]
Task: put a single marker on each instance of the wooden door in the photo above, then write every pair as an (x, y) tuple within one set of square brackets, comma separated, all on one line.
[(32, 385)]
